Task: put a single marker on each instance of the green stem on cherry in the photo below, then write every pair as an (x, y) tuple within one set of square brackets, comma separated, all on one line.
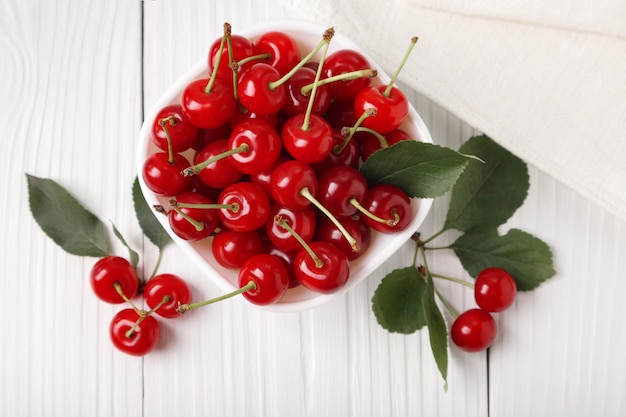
[(118, 289), (183, 308), (328, 34), (237, 64), (234, 66), (349, 132), (143, 314), (316, 80), (344, 76), (199, 226), (366, 212), (387, 91), (431, 238), (304, 192), (280, 221), (171, 121), (452, 279), (157, 264), (195, 169), (446, 304), (213, 77)]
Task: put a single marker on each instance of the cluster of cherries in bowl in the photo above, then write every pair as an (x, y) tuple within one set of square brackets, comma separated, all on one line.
[(262, 157)]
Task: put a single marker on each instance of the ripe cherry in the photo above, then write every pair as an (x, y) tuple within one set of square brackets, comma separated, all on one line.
[(218, 56), (162, 174), (302, 221), (221, 172), (283, 50), (340, 154), (252, 207), (170, 126), (358, 229), (134, 334), (270, 276), (208, 103), (387, 208), (494, 289), (297, 100), (193, 216), (260, 90), (344, 61), (339, 187), (307, 137), (206, 136), (373, 142), (262, 142), (287, 257), (113, 279), (473, 330), (322, 267), (232, 249), (164, 292)]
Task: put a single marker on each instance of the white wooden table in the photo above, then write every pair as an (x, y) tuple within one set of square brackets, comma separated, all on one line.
[(76, 78)]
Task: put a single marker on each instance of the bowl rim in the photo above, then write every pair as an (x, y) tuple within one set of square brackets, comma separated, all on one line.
[(215, 273)]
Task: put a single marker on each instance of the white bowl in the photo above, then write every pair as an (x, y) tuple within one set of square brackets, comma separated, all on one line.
[(382, 246)]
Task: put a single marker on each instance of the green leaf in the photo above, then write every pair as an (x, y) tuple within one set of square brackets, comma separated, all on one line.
[(420, 169), (489, 192), (64, 219), (437, 330), (148, 222), (134, 256), (527, 258), (397, 301)]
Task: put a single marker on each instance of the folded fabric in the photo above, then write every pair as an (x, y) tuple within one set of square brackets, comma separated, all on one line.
[(546, 79)]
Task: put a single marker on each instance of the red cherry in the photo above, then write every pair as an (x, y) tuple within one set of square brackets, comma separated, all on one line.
[(288, 179), (263, 179), (253, 207), (370, 143), (494, 289), (348, 156), (240, 116), (307, 141), (341, 114), (220, 173), (232, 249), (283, 50), (342, 61), (389, 203), (257, 91), (270, 275), (327, 276), (171, 122), (302, 221), (358, 229), (208, 107), (164, 176), (288, 258), (391, 110), (110, 271), (473, 330), (190, 223), (338, 187), (262, 142), (241, 48), (139, 341), (297, 102), (206, 136), (165, 292)]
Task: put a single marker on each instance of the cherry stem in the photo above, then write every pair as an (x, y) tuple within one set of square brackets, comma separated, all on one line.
[(118, 289), (344, 76), (171, 121), (387, 91), (452, 279), (349, 132), (328, 34), (183, 308), (366, 212), (143, 314), (195, 169), (447, 304), (232, 207), (225, 37), (318, 75), (234, 66), (237, 64), (381, 139), (285, 225), (157, 264), (199, 226), (304, 192)]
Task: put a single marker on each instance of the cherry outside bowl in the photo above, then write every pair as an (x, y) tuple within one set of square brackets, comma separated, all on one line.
[(382, 246)]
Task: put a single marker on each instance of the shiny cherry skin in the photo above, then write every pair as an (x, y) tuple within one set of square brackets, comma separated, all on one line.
[(390, 111), (473, 330), (283, 50), (297, 102), (270, 275), (356, 227), (371, 144), (220, 173), (207, 218), (287, 182), (494, 289), (207, 110), (206, 136), (311, 145), (388, 201), (263, 179), (331, 276), (339, 62), (144, 337), (337, 186), (165, 178), (264, 146), (171, 121), (166, 285), (256, 94), (232, 249), (303, 221), (253, 207), (348, 156), (242, 48), (111, 270), (287, 257)]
